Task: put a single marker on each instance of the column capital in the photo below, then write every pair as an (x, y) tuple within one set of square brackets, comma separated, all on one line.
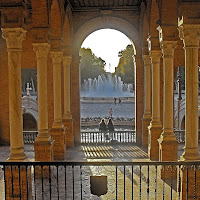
[(168, 48), (155, 55), (147, 60), (190, 34), (57, 56), (67, 61), (14, 38), (41, 50)]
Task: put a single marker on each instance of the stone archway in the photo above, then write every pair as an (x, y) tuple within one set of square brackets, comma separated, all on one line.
[(132, 33)]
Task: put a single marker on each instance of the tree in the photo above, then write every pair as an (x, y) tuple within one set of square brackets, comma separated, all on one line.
[(91, 65), (125, 68)]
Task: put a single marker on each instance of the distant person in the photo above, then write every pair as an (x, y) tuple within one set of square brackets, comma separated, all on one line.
[(110, 125), (110, 112), (120, 101), (115, 101), (102, 126)]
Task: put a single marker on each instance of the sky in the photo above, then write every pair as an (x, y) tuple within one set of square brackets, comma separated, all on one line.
[(106, 43)]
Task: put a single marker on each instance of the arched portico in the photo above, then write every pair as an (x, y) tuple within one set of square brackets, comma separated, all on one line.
[(132, 33)]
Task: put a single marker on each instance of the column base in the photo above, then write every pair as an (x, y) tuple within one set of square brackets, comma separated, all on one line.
[(190, 154), (168, 151), (18, 183), (68, 123), (17, 154), (145, 131), (190, 183), (168, 147), (153, 146), (59, 148), (44, 150)]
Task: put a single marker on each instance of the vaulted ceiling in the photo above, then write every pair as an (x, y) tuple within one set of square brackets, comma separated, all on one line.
[(104, 4)]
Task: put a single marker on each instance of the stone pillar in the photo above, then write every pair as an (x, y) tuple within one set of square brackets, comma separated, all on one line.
[(75, 98), (139, 96), (168, 146), (14, 38), (57, 131), (190, 34), (155, 128), (67, 117), (147, 106), (43, 144)]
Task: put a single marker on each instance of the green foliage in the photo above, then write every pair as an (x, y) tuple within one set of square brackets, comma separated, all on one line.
[(91, 66), (125, 68)]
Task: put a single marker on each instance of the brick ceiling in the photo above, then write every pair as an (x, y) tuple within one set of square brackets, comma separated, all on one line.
[(104, 4)]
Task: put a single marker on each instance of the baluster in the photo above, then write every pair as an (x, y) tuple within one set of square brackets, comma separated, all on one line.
[(195, 181), (42, 184), (116, 180), (124, 182), (140, 183), (81, 182), (156, 182), (163, 181), (5, 183), (148, 183), (73, 181), (132, 182), (50, 181), (35, 183), (171, 179), (27, 186), (57, 181), (20, 182), (65, 183)]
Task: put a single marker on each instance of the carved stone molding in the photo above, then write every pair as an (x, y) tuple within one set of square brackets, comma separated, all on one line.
[(190, 34), (41, 50), (67, 61), (155, 56), (168, 48), (147, 60), (57, 57), (14, 38)]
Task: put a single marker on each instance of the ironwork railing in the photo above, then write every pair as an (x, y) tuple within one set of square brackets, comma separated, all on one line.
[(180, 135), (92, 137), (29, 136), (121, 180)]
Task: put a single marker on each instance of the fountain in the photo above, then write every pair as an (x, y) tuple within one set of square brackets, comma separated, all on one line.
[(106, 86)]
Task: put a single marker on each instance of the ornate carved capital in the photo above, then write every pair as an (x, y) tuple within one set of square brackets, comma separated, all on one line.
[(155, 55), (41, 50), (57, 56), (147, 60), (168, 48), (67, 61), (190, 34), (14, 38)]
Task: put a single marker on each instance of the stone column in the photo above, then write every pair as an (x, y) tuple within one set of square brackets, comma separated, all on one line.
[(14, 38), (43, 144), (14, 175), (75, 98), (190, 35), (168, 146), (147, 105), (67, 117), (57, 131), (155, 128)]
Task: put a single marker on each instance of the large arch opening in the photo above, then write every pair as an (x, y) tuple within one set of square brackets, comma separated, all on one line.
[(107, 81), (80, 35)]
